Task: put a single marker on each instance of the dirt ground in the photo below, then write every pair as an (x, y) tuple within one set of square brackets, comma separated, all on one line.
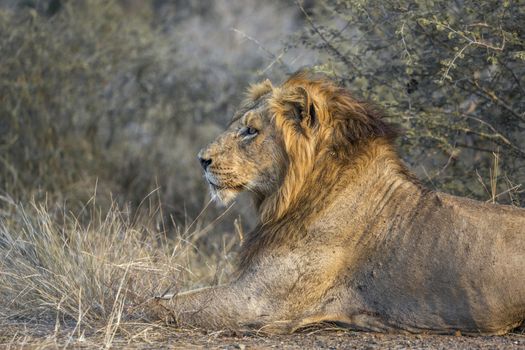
[(320, 338), (345, 340)]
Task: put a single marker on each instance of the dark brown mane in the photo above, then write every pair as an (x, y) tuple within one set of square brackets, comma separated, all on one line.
[(324, 129), (352, 120)]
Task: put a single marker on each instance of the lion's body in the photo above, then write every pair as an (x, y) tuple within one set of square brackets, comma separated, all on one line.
[(349, 236), (457, 266), (432, 262)]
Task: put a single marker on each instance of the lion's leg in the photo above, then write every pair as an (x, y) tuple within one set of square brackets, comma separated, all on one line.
[(290, 326), (342, 320), (219, 307), (278, 294), (213, 308), (238, 306)]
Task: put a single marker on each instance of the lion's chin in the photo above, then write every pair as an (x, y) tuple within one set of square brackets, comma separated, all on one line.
[(223, 196)]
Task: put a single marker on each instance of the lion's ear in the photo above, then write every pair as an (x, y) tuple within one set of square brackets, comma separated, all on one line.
[(303, 107), (255, 91)]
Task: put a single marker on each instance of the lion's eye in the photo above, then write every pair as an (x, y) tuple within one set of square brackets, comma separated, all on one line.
[(249, 132)]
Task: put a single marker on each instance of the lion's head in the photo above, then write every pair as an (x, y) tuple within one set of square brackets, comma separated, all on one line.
[(282, 135), (248, 156)]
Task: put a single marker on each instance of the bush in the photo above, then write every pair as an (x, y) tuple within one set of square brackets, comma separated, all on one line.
[(449, 72)]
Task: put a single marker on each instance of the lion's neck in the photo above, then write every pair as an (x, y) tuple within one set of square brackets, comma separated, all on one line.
[(307, 191), (357, 190), (375, 191)]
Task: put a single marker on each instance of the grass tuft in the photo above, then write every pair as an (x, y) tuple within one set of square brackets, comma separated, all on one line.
[(94, 280)]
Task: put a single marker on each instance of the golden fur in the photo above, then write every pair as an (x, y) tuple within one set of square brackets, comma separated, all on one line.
[(346, 233), (340, 125)]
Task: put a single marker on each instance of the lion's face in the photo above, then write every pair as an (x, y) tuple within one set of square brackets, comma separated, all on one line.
[(281, 135), (247, 156)]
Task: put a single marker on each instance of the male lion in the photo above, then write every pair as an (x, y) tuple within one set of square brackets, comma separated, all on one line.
[(346, 233)]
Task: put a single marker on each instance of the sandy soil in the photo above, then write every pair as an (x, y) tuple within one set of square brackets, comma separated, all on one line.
[(349, 340), (321, 338)]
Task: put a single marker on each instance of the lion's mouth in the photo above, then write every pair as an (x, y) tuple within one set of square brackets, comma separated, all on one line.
[(223, 193), (216, 186)]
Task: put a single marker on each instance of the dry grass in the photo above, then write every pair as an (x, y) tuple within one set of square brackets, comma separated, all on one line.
[(65, 283)]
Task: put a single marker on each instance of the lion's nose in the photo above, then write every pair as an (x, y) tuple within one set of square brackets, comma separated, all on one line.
[(205, 162)]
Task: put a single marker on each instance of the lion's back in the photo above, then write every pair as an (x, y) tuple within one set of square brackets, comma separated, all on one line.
[(501, 225), (458, 263), (486, 255)]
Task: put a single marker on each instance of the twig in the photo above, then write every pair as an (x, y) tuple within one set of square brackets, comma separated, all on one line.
[(329, 45), (262, 47), (456, 56)]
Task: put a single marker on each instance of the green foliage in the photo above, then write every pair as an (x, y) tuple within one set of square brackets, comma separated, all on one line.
[(52, 98), (451, 73)]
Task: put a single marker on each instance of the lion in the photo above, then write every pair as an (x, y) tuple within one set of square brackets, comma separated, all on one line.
[(346, 233)]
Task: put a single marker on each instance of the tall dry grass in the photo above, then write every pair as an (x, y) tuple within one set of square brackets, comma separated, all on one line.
[(77, 283)]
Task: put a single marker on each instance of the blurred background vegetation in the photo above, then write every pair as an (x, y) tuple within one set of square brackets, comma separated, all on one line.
[(450, 72), (116, 97)]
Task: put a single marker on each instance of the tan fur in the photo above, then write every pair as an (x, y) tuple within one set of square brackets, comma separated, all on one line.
[(256, 91), (346, 233)]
